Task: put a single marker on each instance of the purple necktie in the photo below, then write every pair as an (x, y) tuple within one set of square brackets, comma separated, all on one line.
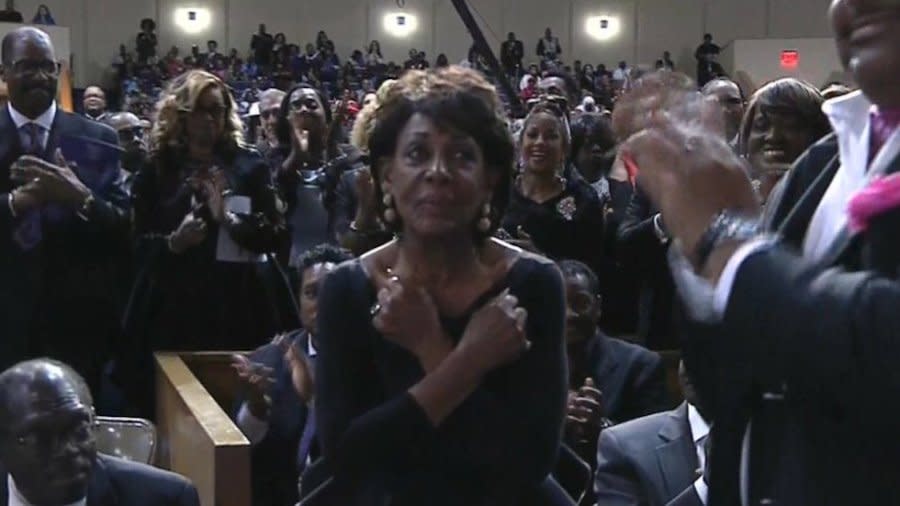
[(28, 234), (884, 123), (307, 438)]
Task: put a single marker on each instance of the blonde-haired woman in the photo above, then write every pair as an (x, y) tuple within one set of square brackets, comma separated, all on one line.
[(206, 224)]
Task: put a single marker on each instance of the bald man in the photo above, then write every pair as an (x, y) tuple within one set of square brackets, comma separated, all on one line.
[(61, 237), (49, 455), (94, 103), (269, 105), (130, 130)]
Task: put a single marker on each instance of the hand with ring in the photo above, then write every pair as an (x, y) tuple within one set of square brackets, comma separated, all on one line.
[(496, 334)]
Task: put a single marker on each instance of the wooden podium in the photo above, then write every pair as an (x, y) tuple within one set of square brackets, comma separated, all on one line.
[(197, 439)]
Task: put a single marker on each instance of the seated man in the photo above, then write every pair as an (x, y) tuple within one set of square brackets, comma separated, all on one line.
[(48, 452), (656, 460), (275, 412), (610, 380)]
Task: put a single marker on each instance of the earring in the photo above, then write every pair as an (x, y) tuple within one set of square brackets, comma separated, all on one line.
[(390, 215), (484, 224)]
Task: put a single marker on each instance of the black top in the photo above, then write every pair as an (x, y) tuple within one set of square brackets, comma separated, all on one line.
[(498, 447), (568, 226), (192, 300)]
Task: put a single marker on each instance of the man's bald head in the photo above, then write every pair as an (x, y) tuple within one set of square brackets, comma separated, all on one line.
[(46, 431), (123, 120), (24, 35), (27, 382)]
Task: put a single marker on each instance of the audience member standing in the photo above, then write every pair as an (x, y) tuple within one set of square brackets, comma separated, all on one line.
[(511, 53), (560, 216), (730, 97), (549, 48), (441, 369), (206, 225), (62, 234), (784, 118), (261, 47), (94, 103), (145, 41), (269, 107), (43, 16), (10, 14), (707, 55)]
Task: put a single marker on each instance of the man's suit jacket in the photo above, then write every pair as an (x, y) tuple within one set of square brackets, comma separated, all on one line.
[(650, 461), (641, 251), (116, 482), (62, 298), (631, 378), (275, 469), (822, 335)]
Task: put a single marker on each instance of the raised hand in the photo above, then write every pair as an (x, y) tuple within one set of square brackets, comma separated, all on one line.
[(258, 378), (52, 183), (584, 414), (301, 368)]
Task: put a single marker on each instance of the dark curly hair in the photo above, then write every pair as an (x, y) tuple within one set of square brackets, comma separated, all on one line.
[(456, 98), (321, 254)]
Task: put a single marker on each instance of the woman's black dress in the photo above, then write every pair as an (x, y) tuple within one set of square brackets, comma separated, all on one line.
[(568, 226), (497, 448), (192, 301)]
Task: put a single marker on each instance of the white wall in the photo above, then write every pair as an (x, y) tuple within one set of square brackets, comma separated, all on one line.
[(648, 26), (760, 60)]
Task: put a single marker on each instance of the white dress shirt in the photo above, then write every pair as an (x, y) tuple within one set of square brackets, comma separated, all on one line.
[(699, 432), (45, 121), (17, 499)]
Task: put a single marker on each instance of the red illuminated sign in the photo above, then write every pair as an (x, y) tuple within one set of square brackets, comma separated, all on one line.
[(790, 59)]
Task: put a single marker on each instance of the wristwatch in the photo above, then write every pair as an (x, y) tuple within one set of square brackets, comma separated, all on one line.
[(726, 225)]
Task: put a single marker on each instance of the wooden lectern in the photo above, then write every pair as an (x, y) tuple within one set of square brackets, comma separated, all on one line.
[(197, 438)]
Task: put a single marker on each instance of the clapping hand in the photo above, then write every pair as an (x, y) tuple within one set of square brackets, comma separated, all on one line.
[(213, 186), (49, 183), (300, 367), (258, 378), (584, 414), (190, 233)]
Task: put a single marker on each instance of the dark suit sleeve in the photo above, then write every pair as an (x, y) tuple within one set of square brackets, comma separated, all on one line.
[(637, 236), (687, 498), (616, 482), (832, 334), (110, 209), (189, 496)]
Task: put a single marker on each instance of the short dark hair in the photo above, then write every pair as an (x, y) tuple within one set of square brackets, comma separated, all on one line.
[(321, 254), (791, 95), (572, 268), (590, 128), (571, 85), (148, 23), (452, 97), (707, 36)]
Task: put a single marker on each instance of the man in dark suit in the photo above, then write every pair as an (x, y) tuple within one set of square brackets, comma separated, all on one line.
[(511, 53), (642, 245), (655, 460), (62, 229), (274, 410), (48, 451), (610, 380), (814, 368)]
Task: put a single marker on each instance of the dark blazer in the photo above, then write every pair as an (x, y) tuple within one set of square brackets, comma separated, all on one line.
[(630, 376), (823, 349), (116, 482), (640, 250), (71, 274), (650, 461), (274, 460)]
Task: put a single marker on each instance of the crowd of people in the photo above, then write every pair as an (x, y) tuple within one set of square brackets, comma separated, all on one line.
[(449, 304)]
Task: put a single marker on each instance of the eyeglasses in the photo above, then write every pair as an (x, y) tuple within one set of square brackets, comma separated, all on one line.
[(31, 67)]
